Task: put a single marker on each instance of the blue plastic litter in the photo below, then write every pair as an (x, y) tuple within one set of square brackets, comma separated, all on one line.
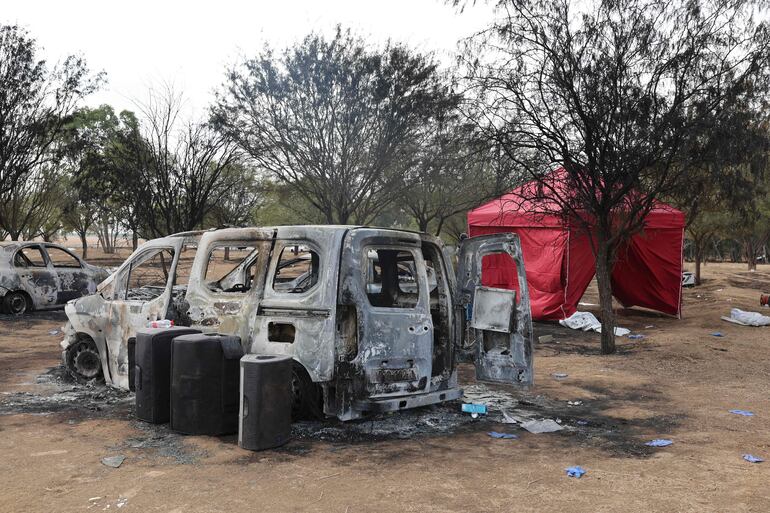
[(472, 408), (716, 334), (745, 413), (636, 337), (575, 471), (495, 434), (659, 442), (582, 422), (752, 459)]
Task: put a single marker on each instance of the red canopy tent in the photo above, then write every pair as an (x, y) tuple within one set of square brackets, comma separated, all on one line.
[(560, 264)]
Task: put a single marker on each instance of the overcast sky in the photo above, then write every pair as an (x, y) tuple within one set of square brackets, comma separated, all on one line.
[(189, 44)]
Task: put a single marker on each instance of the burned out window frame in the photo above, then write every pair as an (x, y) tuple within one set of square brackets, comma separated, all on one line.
[(219, 244), (53, 264), (423, 295), (28, 263), (124, 274), (280, 246)]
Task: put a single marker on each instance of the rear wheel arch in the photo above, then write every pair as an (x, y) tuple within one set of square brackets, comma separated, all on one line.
[(307, 396)]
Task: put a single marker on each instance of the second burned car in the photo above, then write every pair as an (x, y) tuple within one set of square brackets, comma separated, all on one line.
[(374, 318)]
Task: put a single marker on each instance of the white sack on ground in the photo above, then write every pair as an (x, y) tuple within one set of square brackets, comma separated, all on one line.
[(587, 321), (749, 318)]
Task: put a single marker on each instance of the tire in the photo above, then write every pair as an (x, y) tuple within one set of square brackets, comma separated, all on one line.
[(82, 360), (307, 397), (16, 303)]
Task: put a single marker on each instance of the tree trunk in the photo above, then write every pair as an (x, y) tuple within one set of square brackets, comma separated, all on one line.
[(134, 240), (603, 280), (698, 254), (227, 253), (84, 243), (750, 254)]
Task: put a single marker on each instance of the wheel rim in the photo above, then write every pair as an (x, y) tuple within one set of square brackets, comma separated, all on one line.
[(86, 361), (17, 304)]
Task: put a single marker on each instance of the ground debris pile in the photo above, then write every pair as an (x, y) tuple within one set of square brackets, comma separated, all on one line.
[(162, 442), (435, 420), (60, 393)]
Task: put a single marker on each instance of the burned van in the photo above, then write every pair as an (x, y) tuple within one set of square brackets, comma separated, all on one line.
[(373, 318)]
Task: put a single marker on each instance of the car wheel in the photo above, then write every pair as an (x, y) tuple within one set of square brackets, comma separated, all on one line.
[(83, 362), (307, 397), (16, 303)]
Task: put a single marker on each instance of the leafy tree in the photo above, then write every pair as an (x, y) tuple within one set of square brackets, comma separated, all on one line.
[(35, 101), (335, 120), (613, 92), (88, 197), (30, 209)]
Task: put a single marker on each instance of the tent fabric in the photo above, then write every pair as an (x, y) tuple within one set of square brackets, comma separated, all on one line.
[(560, 263)]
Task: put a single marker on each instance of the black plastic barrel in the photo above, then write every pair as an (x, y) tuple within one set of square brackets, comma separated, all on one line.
[(152, 371), (204, 384), (266, 399)]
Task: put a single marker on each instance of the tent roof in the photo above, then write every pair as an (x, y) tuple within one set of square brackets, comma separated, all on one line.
[(516, 209)]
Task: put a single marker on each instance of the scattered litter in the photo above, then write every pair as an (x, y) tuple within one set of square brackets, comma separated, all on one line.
[(752, 459), (574, 403), (738, 316), (576, 471), (560, 375), (649, 326), (94, 498), (541, 426), (509, 419), (582, 422), (587, 321), (121, 502), (545, 338), (745, 413), (659, 442), (54, 332), (716, 334), (474, 409), (507, 436), (636, 337), (113, 461)]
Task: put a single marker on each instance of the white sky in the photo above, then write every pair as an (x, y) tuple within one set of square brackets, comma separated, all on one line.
[(189, 44)]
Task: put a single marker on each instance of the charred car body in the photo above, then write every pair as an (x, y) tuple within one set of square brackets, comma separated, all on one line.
[(41, 276), (373, 318)]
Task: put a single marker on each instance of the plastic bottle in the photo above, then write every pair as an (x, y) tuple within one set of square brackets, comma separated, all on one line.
[(163, 323)]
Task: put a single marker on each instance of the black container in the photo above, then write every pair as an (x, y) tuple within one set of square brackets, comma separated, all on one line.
[(266, 399), (131, 363), (152, 371), (204, 384)]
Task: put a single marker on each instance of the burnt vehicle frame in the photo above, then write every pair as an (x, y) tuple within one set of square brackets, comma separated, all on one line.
[(373, 318), (43, 276)]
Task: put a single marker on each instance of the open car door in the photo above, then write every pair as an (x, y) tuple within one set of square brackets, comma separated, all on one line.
[(498, 319)]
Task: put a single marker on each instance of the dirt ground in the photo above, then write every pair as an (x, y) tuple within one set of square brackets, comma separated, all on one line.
[(678, 382)]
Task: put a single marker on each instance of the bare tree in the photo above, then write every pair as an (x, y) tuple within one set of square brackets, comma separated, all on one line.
[(35, 101), (182, 169), (333, 119), (454, 173), (613, 92)]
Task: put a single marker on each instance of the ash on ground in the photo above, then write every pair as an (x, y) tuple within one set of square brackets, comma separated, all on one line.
[(60, 393), (435, 420)]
